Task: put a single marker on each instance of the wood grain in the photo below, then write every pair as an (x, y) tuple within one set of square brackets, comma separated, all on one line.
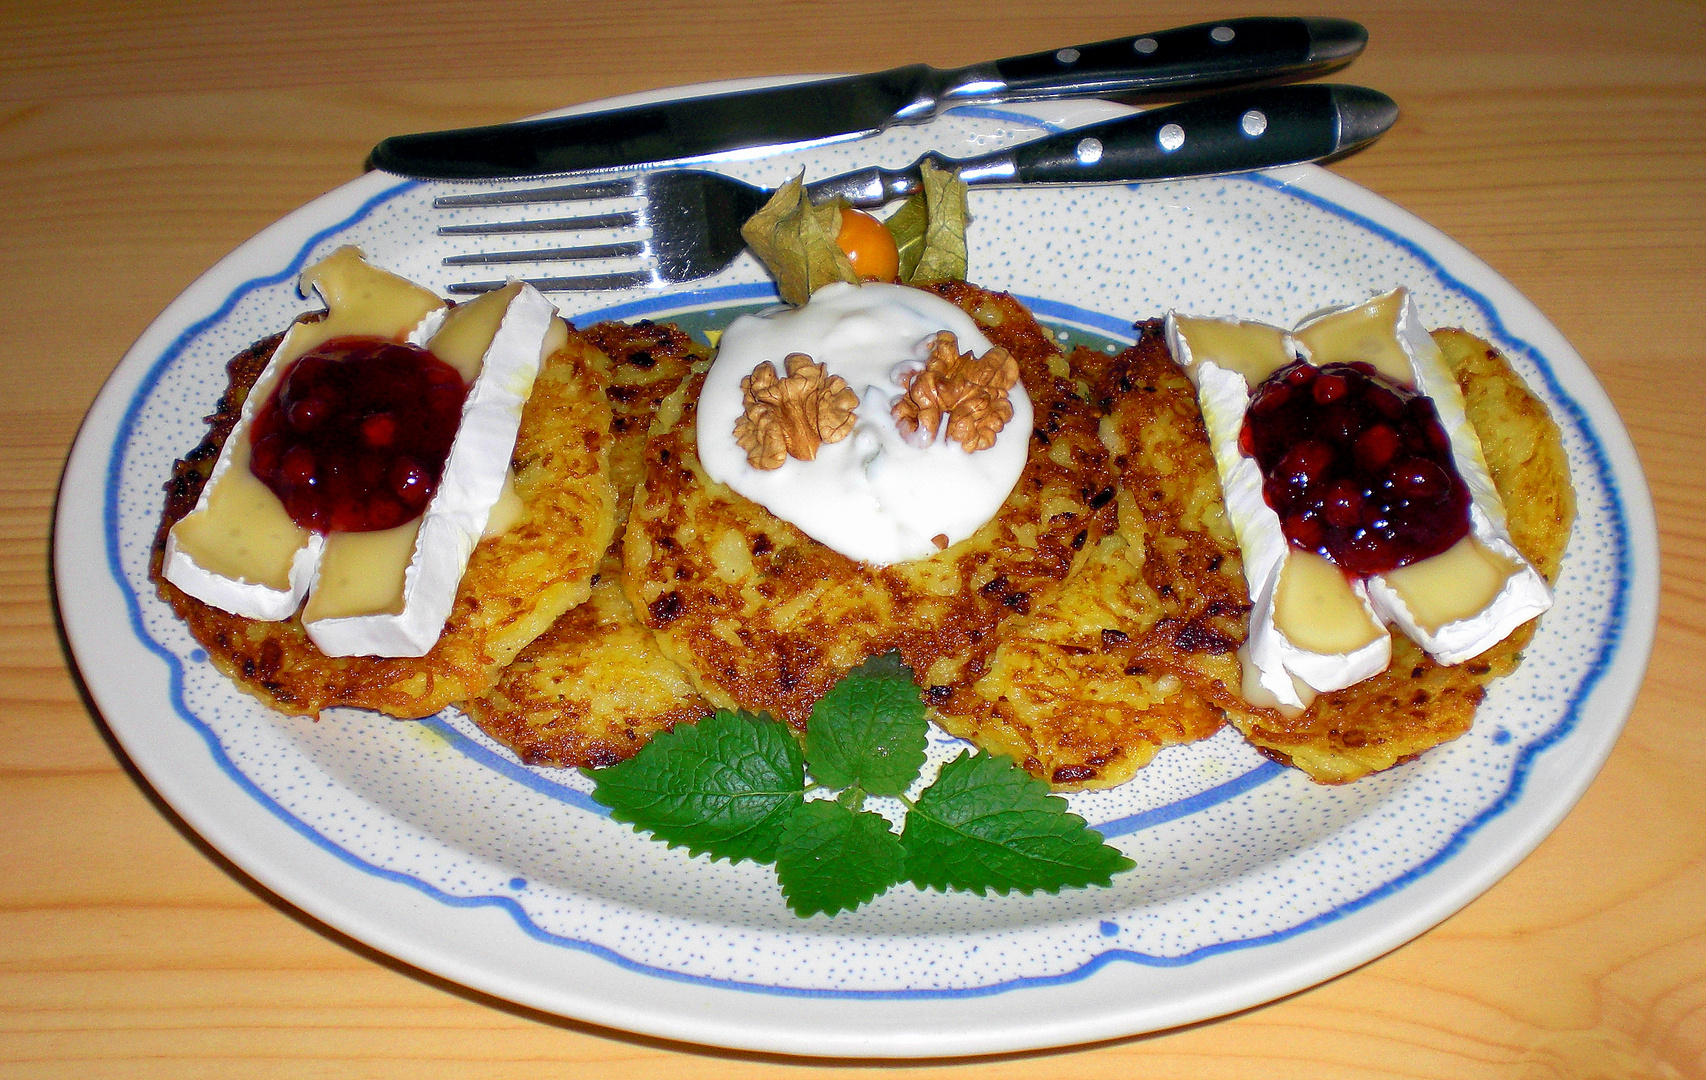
[(1564, 142)]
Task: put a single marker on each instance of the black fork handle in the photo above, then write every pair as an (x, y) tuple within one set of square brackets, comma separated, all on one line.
[(1231, 132)]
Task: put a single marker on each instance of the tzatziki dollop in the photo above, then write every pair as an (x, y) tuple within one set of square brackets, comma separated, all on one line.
[(874, 496)]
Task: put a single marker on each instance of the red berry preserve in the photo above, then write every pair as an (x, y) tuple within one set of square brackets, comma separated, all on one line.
[(355, 435), (1356, 465)]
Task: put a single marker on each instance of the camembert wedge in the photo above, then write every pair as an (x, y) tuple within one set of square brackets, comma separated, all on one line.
[(1313, 627)]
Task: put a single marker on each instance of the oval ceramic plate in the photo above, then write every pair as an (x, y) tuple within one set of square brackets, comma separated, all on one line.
[(431, 843)]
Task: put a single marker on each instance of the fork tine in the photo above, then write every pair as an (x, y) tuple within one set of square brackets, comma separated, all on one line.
[(603, 189), (589, 283), (625, 220), (594, 251)]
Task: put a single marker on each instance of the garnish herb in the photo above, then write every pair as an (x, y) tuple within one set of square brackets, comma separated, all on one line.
[(734, 785)]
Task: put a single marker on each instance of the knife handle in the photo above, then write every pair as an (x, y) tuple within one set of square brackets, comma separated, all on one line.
[(1190, 57)]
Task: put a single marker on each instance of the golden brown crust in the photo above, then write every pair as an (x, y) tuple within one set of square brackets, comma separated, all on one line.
[(1417, 704), (594, 688), (1137, 649), (591, 691), (514, 587), (765, 618)]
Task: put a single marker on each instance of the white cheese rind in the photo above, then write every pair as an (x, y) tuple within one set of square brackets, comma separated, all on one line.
[(359, 299), (1525, 595), (471, 482), (1225, 397)]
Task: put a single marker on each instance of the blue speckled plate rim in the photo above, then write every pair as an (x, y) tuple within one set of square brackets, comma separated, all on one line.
[(1610, 640)]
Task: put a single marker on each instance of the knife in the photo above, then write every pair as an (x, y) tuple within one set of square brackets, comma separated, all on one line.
[(1196, 57)]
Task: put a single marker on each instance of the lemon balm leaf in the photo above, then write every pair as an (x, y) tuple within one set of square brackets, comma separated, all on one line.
[(985, 824), (724, 786), (869, 730), (833, 859)]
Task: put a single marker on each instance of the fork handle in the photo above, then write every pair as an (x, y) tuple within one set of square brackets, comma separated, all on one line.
[(1235, 131)]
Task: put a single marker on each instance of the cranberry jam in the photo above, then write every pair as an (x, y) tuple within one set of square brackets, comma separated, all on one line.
[(355, 435), (1357, 466)]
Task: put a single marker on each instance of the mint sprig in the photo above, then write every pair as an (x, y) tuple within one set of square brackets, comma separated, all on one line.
[(734, 787)]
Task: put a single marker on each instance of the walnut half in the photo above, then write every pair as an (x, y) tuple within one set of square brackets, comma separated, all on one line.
[(970, 391), (793, 416)]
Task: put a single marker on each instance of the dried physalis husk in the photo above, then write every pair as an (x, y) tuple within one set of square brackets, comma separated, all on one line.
[(793, 416), (796, 239), (970, 391)]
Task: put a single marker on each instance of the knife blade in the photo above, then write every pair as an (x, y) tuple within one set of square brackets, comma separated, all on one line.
[(1198, 57)]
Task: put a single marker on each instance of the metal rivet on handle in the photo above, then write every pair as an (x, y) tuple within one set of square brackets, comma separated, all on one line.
[(1067, 56), (1223, 34), (1089, 151), (1254, 122), (1171, 137), (1146, 45)]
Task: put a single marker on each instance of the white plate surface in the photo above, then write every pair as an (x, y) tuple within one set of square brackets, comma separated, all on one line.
[(429, 842)]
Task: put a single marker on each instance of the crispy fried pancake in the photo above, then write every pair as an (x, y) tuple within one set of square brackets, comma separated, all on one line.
[(765, 618), (1139, 647), (515, 585), (594, 688), (1416, 704)]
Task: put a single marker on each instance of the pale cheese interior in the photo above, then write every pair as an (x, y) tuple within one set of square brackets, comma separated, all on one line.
[(1365, 332), (1316, 609), (1254, 350), (361, 573), (1456, 584), (468, 331)]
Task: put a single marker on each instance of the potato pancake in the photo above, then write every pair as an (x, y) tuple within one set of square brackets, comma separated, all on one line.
[(1415, 703), (515, 586), (763, 617), (1138, 651), (594, 688)]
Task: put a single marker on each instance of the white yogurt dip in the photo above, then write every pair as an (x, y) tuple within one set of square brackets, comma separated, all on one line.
[(874, 496)]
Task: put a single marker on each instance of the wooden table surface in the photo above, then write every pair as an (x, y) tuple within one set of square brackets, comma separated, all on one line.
[(1562, 141)]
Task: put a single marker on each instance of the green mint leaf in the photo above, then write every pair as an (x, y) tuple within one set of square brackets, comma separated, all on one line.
[(869, 730), (987, 824), (833, 859), (725, 785)]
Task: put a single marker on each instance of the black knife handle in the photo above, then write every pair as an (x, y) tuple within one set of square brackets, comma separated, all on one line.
[(1190, 57), (1236, 131)]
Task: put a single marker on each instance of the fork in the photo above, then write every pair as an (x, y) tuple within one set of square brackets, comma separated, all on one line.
[(694, 217)]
